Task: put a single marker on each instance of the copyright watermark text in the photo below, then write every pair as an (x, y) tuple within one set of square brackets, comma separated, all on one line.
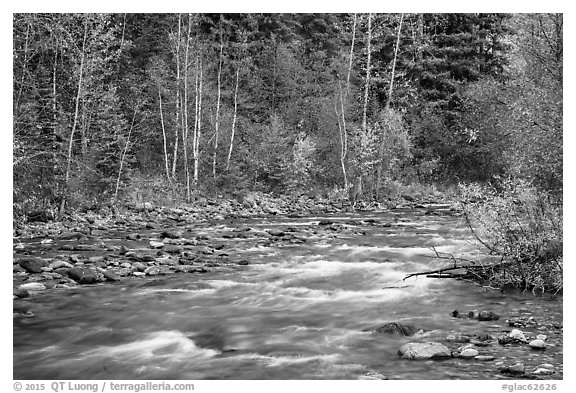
[(102, 386)]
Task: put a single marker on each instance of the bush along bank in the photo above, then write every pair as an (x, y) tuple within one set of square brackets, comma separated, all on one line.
[(518, 229)]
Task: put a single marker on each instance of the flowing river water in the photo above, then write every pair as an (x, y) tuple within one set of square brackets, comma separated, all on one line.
[(296, 311)]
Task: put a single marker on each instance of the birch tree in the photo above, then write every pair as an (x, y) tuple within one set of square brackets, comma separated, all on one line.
[(217, 121)]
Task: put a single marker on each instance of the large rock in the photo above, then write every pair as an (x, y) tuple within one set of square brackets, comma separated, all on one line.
[(469, 353), (428, 350), (32, 286), (111, 275), (396, 328), (537, 344), (488, 316), (33, 265), (171, 234), (517, 335), (82, 275)]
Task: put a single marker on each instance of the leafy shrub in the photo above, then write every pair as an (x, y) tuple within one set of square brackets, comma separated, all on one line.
[(523, 227)]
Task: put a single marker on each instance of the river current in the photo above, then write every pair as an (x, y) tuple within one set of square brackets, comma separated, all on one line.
[(296, 311)]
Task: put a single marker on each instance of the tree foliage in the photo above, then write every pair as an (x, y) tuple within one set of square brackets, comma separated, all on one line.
[(475, 96)]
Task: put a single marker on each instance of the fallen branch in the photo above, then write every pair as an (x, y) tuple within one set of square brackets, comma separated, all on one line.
[(470, 270), (446, 269)]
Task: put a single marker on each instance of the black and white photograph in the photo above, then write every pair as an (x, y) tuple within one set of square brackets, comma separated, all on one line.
[(286, 196)]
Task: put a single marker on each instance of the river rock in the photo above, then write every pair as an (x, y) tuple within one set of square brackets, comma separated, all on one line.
[(110, 275), (372, 375), (152, 271), (484, 358), (276, 232), (58, 264), (173, 249), (427, 350), (517, 335), (516, 369), (82, 275), (171, 234), (32, 286), (542, 337), (21, 293), (547, 366), (542, 371), (147, 258), (33, 265), (155, 244), (537, 344), (469, 353), (488, 316), (396, 328), (138, 266), (522, 321), (139, 274)]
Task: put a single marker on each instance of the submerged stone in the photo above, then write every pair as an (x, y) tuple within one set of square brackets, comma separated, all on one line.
[(427, 350), (397, 328)]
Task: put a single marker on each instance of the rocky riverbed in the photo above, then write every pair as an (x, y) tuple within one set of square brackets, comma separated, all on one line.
[(216, 242)]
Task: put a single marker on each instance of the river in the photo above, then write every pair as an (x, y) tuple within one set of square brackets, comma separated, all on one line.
[(296, 311)]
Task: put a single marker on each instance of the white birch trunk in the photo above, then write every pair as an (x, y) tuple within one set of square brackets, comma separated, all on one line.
[(76, 110), (233, 119)]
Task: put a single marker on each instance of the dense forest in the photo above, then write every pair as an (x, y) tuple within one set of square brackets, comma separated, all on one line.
[(105, 105)]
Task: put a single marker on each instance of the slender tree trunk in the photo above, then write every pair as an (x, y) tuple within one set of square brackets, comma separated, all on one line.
[(342, 142), (274, 78), (367, 84), (391, 87), (217, 123), (76, 110), (124, 156), (164, 136), (54, 108), (343, 98), (24, 65), (185, 110), (233, 119), (198, 134), (351, 57), (177, 123), (387, 109)]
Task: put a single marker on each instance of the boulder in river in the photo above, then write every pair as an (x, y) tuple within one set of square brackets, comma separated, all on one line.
[(111, 275), (82, 275), (517, 335), (156, 244), (33, 265), (469, 353), (21, 293), (488, 316), (516, 369), (32, 286), (427, 350), (397, 328), (537, 344)]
